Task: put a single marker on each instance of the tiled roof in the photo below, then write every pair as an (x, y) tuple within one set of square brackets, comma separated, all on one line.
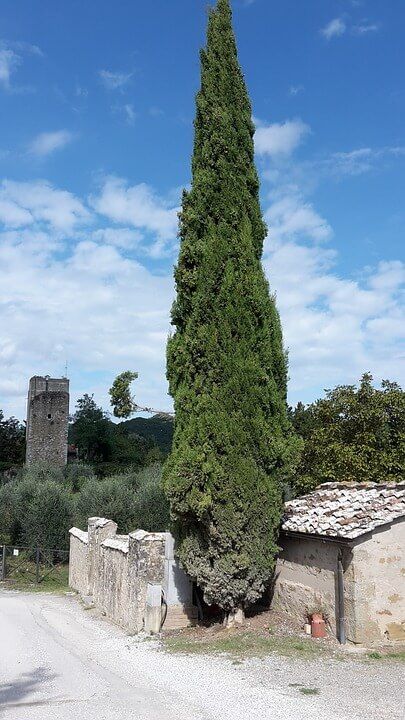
[(345, 510)]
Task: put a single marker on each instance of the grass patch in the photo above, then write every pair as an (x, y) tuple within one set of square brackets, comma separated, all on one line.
[(243, 645), (397, 656), (309, 691), (56, 582)]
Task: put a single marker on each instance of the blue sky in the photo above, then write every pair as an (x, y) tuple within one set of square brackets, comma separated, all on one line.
[(96, 111)]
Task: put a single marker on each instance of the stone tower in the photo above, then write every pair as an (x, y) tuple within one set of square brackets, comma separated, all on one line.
[(47, 420)]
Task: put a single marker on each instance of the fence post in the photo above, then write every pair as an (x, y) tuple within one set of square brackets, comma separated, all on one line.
[(3, 563), (37, 566)]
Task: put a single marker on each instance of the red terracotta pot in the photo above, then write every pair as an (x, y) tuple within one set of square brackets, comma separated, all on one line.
[(318, 627)]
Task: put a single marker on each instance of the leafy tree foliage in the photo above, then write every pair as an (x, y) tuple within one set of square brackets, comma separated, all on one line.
[(122, 400), (157, 429), (303, 419), (133, 500), (108, 447), (151, 510), (39, 506), (233, 444), (45, 513), (37, 513), (9, 526), (91, 431), (12, 442), (353, 434), (75, 475)]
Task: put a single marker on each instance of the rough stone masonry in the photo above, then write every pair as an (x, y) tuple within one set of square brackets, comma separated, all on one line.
[(120, 572), (47, 420)]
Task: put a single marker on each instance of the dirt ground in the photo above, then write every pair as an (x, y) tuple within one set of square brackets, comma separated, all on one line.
[(271, 631)]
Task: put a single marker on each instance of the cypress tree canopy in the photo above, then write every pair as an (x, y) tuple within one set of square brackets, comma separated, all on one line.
[(226, 365)]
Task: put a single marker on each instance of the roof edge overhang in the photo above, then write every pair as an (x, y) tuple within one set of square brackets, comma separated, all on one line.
[(338, 540), (324, 538)]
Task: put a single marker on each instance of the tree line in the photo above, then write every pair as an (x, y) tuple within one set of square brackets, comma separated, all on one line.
[(354, 433), (93, 438)]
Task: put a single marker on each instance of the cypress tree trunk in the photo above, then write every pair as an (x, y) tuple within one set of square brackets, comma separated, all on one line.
[(226, 365)]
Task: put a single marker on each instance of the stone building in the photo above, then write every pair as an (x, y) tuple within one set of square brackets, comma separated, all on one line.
[(343, 554), (47, 420)]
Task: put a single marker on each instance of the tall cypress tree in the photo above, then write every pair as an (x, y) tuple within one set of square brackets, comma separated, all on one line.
[(226, 365)]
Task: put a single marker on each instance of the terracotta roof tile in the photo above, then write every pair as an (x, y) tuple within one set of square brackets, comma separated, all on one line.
[(345, 510)]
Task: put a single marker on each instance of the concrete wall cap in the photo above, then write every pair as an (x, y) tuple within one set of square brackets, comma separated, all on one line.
[(99, 522), (120, 542), (142, 534), (79, 534), (139, 534)]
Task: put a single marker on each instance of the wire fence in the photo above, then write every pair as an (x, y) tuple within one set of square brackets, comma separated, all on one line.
[(32, 565)]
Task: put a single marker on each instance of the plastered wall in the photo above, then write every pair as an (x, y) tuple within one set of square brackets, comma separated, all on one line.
[(374, 582), (305, 579), (379, 585)]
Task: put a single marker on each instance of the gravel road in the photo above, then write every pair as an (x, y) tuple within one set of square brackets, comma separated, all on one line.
[(58, 661)]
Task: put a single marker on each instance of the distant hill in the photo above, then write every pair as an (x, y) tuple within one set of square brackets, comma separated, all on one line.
[(157, 428)]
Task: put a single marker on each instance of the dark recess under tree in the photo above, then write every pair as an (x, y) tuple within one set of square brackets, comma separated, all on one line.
[(233, 444)]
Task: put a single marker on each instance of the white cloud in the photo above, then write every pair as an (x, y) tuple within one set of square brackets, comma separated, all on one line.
[(27, 48), (81, 92), (295, 90), (120, 237), (94, 307), (127, 112), (130, 114), (26, 203), (334, 28), (279, 138), (336, 328), (365, 28), (290, 216), (103, 311), (47, 142), (114, 80), (9, 61), (139, 206), (361, 160), (11, 57)]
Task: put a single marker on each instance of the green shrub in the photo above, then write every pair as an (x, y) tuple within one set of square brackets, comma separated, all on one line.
[(8, 515), (43, 471), (152, 511), (76, 474), (44, 513), (113, 498), (133, 501), (38, 507)]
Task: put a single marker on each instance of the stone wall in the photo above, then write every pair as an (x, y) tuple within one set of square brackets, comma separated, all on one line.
[(117, 570), (47, 420), (78, 561), (111, 591)]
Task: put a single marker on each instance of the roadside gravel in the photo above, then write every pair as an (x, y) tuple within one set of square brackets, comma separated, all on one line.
[(211, 688)]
